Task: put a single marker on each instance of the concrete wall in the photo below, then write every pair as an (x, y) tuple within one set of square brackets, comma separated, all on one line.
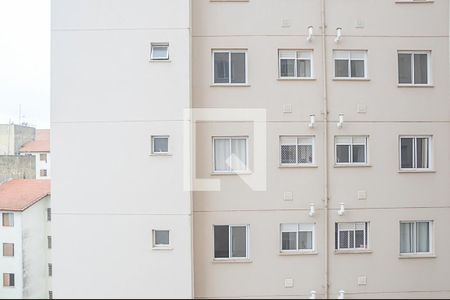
[(109, 193), (12, 264), (35, 249), (13, 137), (17, 167)]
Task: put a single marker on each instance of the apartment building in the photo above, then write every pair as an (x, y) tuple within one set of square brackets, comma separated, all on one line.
[(355, 171), (24, 238), (39, 148)]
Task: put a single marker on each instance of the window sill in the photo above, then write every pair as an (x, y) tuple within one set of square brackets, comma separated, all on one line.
[(352, 166), (296, 79), (295, 166), (415, 85), (160, 61), (161, 154), (161, 248), (232, 261), (416, 171), (350, 79), (417, 256), (362, 251), (297, 253), (231, 173), (229, 85)]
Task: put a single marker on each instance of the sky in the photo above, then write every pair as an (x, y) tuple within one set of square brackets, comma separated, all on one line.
[(25, 62)]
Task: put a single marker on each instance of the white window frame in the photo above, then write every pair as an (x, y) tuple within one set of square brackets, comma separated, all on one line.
[(230, 240), (430, 235), (349, 57), (229, 51), (350, 163), (366, 236), (165, 58), (430, 152), (298, 137), (153, 137), (231, 171), (297, 51), (429, 73), (297, 250), (156, 246)]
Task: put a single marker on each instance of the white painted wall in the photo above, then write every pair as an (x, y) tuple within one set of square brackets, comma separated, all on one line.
[(42, 165), (109, 193)]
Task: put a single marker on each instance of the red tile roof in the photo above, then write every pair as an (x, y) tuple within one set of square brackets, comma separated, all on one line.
[(41, 142), (19, 194)]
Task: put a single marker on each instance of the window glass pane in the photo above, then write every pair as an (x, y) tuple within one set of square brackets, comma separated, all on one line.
[(303, 68), (305, 154), (406, 149), (359, 239), (287, 67), (357, 67), (160, 145), (161, 237), (423, 236), (305, 240), (359, 153), (406, 237), (221, 67), (343, 140), (404, 68), (288, 153), (160, 52), (239, 241), (341, 68), (343, 239), (422, 153), (420, 68), (221, 155), (8, 219), (221, 242), (238, 154), (238, 68), (8, 249), (289, 241), (342, 153)]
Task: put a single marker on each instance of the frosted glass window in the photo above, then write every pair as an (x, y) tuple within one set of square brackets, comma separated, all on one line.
[(160, 52)]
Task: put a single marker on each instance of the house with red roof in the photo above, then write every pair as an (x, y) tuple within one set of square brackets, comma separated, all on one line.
[(40, 149)]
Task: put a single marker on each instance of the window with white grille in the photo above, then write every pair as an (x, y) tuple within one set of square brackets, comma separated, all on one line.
[(415, 152), (414, 67), (230, 154), (415, 237), (352, 236), (350, 64), (295, 64), (297, 237), (351, 149), (231, 241), (297, 150)]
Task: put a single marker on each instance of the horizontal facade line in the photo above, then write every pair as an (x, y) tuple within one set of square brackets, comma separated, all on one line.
[(317, 36), (318, 209), (119, 214), (117, 29)]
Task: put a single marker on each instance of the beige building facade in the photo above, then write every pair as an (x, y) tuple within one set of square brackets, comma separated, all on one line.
[(352, 194)]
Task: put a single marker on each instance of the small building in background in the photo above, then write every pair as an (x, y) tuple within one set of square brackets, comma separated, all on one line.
[(40, 149), (25, 239), (13, 137)]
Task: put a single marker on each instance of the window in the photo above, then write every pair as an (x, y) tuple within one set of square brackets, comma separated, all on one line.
[(295, 63), (160, 144), (414, 67), (50, 294), (159, 51), (8, 280), (230, 66), (352, 236), (8, 249), (49, 214), (43, 157), (350, 64), (49, 242), (230, 154), (296, 150), (230, 241), (161, 238), (8, 220), (415, 237), (297, 237), (415, 152), (351, 149), (50, 270), (43, 173)]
